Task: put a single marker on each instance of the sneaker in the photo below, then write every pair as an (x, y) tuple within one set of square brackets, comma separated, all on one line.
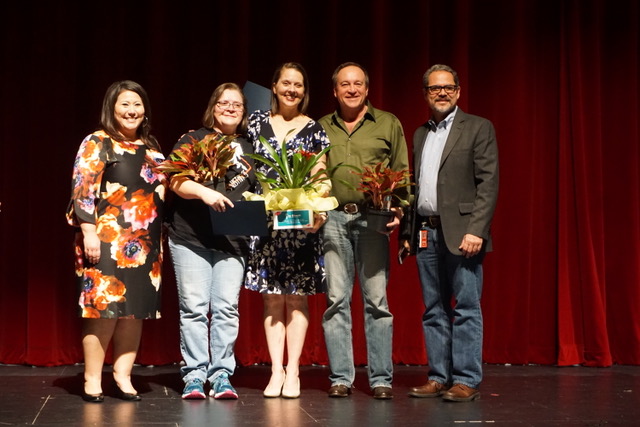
[(194, 390), (222, 388)]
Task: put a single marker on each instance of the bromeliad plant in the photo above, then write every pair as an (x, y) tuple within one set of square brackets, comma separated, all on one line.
[(202, 160), (379, 183), (296, 186), (294, 172)]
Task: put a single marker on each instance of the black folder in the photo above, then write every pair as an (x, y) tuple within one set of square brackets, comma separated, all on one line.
[(245, 218), (258, 97)]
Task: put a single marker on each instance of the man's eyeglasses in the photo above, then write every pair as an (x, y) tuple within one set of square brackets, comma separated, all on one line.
[(434, 90), (226, 105)]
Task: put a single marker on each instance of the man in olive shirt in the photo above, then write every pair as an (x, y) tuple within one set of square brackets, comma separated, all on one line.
[(361, 136)]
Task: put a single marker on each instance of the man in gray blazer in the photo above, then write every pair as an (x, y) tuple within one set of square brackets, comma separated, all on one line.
[(448, 228)]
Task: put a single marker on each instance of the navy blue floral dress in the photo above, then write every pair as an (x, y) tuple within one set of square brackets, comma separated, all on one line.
[(289, 262)]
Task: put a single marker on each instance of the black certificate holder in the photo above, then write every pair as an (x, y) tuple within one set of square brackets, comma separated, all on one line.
[(245, 218)]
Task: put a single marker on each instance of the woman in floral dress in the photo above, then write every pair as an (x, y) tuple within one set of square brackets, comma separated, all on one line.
[(288, 265), (116, 205)]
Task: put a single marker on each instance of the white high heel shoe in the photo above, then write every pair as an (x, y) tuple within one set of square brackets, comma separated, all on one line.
[(292, 392), (274, 389)]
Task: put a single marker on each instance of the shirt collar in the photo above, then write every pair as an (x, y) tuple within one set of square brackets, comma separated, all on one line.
[(446, 122), (370, 114)]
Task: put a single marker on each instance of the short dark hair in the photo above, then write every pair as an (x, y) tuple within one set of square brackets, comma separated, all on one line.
[(108, 119), (334, 77), (304, 104), (439, 67), (208, 120)]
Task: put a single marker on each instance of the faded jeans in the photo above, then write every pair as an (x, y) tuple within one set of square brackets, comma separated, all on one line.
[(349, 247), (209, 283)]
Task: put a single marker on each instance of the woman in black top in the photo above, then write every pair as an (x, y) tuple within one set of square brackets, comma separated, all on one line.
[(210, 268)]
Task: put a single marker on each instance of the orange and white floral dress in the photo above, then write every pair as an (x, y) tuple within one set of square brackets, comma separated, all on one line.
[(115, 188)]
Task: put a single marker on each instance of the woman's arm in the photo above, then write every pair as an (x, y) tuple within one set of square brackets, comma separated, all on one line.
[(189, 189)]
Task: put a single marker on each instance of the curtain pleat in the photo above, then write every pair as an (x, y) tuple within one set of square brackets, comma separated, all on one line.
[(559, 80)]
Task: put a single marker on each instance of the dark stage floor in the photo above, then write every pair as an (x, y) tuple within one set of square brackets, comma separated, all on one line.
[(511, 396)]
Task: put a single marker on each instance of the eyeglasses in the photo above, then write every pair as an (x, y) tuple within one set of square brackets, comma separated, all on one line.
[(434, 90), (226, 105)]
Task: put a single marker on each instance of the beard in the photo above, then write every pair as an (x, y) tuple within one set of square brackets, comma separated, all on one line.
[(444, 109)]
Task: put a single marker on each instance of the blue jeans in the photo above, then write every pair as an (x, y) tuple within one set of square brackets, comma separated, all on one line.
[(452, 330), (348, 244), (209, 283)]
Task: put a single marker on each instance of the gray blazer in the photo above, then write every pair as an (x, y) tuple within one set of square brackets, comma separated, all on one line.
[(467, 181)]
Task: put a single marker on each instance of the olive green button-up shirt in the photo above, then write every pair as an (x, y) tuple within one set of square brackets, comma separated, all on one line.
[(378, 137)]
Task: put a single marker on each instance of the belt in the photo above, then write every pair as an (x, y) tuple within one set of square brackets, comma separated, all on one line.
[(350, 208), (432, 221)]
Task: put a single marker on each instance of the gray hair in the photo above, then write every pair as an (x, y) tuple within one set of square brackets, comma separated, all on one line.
[(439, 67)]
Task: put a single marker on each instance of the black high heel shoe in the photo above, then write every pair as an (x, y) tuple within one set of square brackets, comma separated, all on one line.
[(92, 398), (127, 396)]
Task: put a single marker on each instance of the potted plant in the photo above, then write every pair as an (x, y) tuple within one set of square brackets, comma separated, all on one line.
[(294, 172), (205, 160), (379, 183), (296, 192)]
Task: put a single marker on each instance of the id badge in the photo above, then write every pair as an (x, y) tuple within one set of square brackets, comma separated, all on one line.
[(423, 236)]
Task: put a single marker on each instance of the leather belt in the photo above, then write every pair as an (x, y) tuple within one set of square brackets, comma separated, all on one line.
[(350, 208), (432, 221)]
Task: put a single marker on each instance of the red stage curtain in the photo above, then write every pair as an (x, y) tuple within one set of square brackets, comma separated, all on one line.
[(559, 80)]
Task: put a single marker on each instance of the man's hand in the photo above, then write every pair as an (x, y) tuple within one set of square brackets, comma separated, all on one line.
[(399, 213), (404, 249), (470, 245)]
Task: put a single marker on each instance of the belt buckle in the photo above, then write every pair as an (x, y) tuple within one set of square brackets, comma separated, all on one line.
[(350, 208)]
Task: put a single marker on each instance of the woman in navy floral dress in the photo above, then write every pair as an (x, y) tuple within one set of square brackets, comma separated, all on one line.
[(116, 205), (288, 265)]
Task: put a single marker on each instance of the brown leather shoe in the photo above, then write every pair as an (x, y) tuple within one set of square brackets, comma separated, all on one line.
[(461, 393), (339, 390), (381, 392), (430, 389)]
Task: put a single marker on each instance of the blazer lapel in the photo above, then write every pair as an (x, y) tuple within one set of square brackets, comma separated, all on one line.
[(454, 136), (418, 144)]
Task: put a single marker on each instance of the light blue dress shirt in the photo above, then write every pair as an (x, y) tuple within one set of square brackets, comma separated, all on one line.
[(430, 165)]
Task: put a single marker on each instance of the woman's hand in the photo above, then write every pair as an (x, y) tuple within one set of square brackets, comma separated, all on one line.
[(319, 220), (90, 243), (189, 189), (215, 199)]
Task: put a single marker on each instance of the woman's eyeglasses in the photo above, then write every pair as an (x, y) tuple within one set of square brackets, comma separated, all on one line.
[(226, 105)]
